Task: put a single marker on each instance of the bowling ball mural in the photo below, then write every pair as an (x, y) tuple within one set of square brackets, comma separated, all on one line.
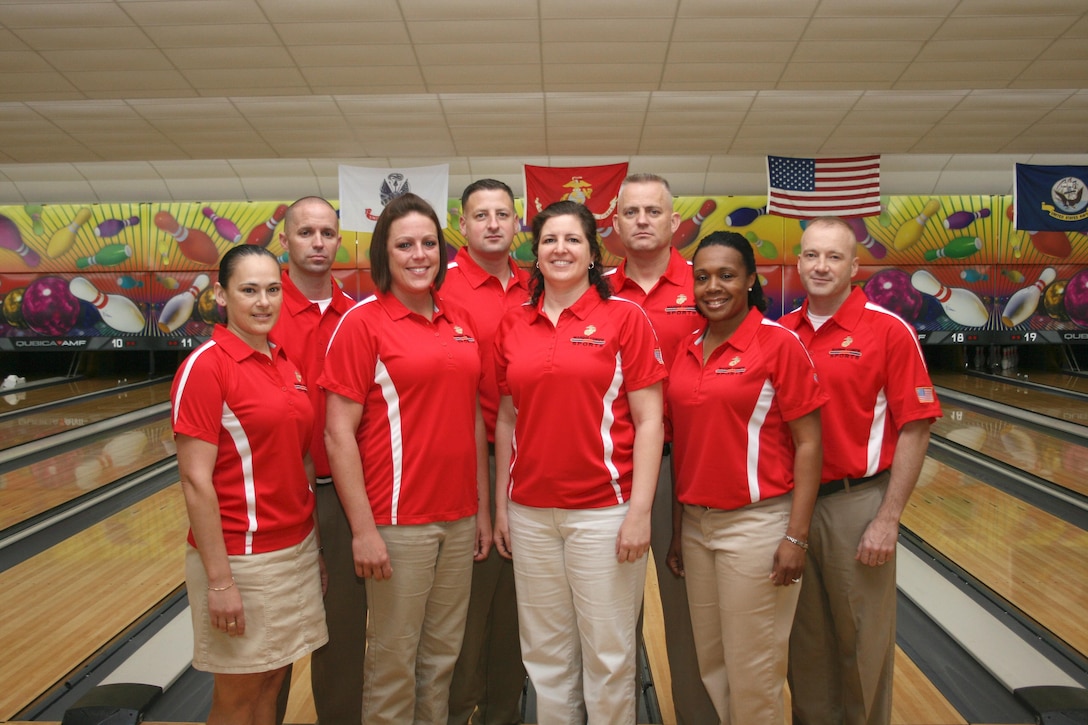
[(13, 308), (892, 290), (1075, 299), (49, 308), (207, 309), (1054, 300)]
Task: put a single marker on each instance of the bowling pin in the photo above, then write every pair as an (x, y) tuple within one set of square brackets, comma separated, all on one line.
[(63, 239), (1024, 302), (226, 228), (261, 234), (193, 243), (113, 227), (765, 248), (962, 306), (911, 230), (179, 308), (1052, 244), (127, 282), (961, 219), (1013, 275), (10, 238), (117, 311), (958, 248), (861, 234), (973, 275), (34, 211), (743, 216), (107, 256), (688, 230)]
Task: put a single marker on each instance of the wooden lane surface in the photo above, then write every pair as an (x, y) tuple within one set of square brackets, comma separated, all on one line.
[(18, 398), (1018, 396), (24, 428), (57, 609), (37, 487), (1033, 559), (1065, 381), (1048, 457)]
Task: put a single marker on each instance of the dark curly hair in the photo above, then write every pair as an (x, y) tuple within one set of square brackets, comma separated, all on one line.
[(589, 228), (744, 248)]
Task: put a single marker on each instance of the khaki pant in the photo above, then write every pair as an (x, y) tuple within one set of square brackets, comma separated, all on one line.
[(740, 619), (842, 649), (416, 622), (577, 607)]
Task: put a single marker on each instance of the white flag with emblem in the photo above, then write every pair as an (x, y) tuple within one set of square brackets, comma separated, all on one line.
[(365, 192)]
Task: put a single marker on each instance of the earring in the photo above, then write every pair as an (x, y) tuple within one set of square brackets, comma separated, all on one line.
[(591, 264), (749, 289), (538, 265)]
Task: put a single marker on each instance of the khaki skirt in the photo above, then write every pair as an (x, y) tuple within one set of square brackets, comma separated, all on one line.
[(282, 604)]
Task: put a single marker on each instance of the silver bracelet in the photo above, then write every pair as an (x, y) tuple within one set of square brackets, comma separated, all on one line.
[(796, 542)]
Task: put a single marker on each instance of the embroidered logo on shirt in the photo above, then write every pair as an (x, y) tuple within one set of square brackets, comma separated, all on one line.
[(844, 351), (460, 336), (733, 369), (587, 337), (299, 385), (925, 395), (680, 308)]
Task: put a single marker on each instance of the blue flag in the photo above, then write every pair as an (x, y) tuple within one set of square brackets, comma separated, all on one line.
[(1051, 198)]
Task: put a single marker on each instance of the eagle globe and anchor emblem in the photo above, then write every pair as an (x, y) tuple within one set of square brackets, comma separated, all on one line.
[(394, 185)]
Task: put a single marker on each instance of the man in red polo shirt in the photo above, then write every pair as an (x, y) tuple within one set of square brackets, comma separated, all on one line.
[(875, 435), (312, 306), (489, 676), (654, 275)]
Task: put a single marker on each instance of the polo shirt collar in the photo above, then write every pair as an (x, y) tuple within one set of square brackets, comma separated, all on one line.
[(396, 309), (581, 308), (296, 303), (477, 275), (847, 316), (741, 338), (676, 271), (236, 348)]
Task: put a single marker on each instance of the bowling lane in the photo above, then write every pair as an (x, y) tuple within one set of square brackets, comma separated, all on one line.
[(33, 489), (1048, 457), (59, 608), (25, 428), (1029, 557), (1062, 381), (1008, 392), (18, 399)]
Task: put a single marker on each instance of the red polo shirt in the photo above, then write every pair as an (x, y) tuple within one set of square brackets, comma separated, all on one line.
[(732, 444), (304, 332), (871, 363), (669, 304), (574, 437), (482, 295), (257, 412), (417, 380)]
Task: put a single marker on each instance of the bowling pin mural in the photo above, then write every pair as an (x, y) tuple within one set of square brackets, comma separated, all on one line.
[(193, 243), (765, 248), (960, 305), (1052, 244), (63, 239), (962, 219), (225, 227), (117, 311), (743, 216), (108, 256), (910, 231), (688, 230), (10, 238), (958, 248), (34, 211), (973, 275), (861, 234), (261, 235), (113, 227), (1023, 303), (179, 308)]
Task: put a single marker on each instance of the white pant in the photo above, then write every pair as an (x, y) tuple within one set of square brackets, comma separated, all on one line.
[(577, 609)]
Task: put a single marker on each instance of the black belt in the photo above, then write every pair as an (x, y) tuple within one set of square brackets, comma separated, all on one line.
[(847, 484), (323, 480)]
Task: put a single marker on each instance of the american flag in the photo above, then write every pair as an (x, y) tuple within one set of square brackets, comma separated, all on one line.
[(925, 395), (807, 188)]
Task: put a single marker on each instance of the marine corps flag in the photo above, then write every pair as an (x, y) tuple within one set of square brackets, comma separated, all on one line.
[(364, 192), (1050, 198), (595, 186)]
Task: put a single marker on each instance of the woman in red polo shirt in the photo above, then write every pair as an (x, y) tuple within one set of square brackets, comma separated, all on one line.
[(744, 404), (408, 453), (577, 449), (242, 421)]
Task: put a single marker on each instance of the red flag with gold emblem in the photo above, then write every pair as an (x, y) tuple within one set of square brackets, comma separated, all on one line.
[(598, 187)]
